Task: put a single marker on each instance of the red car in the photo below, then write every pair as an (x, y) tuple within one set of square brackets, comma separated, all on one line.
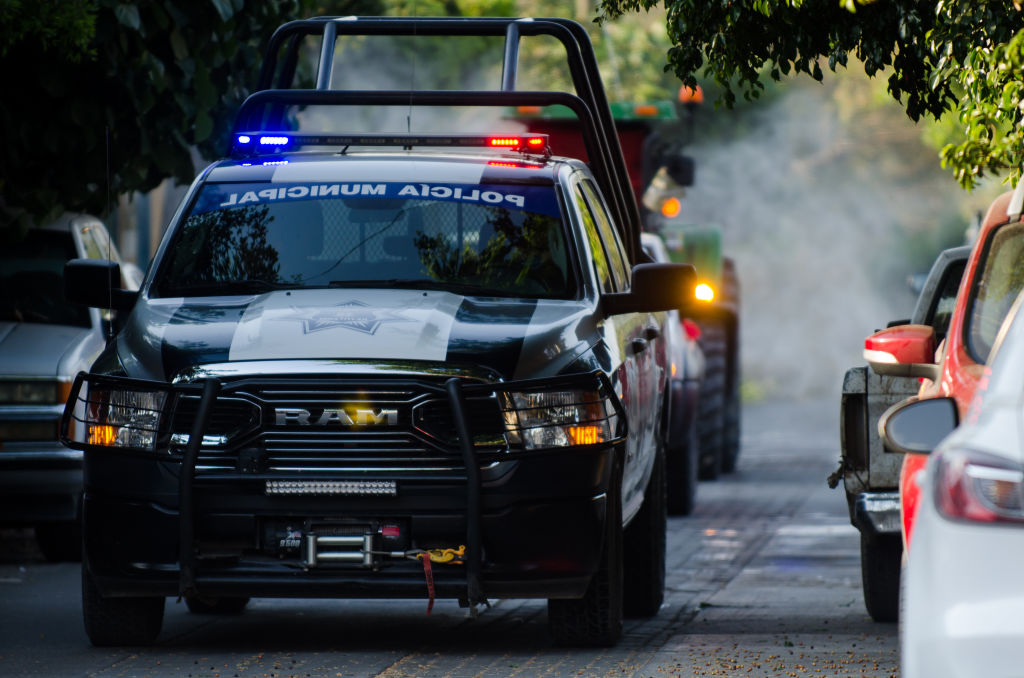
[(992, 280)]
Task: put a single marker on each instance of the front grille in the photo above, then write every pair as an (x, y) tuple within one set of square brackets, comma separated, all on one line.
[(322, 425), (434, 418), (28, 430), (231, 418)]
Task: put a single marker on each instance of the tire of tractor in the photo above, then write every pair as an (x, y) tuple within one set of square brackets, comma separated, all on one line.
[(880, 576), (731, 434), (681, 474), (223, 606), (644, 541), (711, 402), (595, 620), (60, 542), (731, 442), (115, 622)]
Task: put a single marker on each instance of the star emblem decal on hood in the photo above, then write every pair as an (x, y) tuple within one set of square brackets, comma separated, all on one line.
[(353, 315)]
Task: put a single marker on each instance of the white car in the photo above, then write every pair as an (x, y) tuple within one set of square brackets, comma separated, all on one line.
[(963, 589), (44, 342)]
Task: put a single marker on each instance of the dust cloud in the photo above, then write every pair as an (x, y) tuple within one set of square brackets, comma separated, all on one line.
[(813, 219)]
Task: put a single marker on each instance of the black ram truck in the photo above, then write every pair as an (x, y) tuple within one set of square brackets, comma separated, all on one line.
[(384, 366)]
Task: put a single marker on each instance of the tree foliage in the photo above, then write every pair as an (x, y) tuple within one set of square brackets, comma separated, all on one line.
[(64, 27), (960, 57), (105, 97)]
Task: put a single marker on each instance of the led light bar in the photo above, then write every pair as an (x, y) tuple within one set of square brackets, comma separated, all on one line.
[(364, 488), (250, 142), (514, 165)]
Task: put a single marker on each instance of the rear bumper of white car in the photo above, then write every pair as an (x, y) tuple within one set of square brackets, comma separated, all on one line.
[(963, 607)]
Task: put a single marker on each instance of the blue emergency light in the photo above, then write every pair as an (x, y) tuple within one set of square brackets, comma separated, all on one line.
[(250, 143)]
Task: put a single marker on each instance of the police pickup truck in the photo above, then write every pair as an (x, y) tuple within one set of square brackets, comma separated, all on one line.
[(390, 366)]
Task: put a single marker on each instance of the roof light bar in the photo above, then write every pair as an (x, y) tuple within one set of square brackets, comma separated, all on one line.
[(514, 165), (273, 141), (247, 143)]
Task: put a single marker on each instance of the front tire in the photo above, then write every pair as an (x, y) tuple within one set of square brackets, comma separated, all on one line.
[(880, 559), (681, 475), (595, 620), (113, 622), (645, 543)]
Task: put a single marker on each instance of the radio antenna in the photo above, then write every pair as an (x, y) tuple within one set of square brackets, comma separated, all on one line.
[(110, 285), (412, 70)]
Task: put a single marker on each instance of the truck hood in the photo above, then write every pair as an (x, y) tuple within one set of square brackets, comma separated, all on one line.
[(36, 350), (513, 337)]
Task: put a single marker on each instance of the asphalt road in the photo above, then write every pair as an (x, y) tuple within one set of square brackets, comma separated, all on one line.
[(764, 580)]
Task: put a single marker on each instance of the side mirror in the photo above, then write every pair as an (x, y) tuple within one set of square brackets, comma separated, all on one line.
[(682, 169), (655, 287), (96, 283), (903, 351), (917, 426)]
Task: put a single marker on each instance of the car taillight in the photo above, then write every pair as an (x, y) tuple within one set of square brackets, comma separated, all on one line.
[(979, 487), (691, 329)]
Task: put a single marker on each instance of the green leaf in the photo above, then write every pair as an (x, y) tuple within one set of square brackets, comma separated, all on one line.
[(178, 45), (128, 15), (203, 127), (224, 8), (206, 93)]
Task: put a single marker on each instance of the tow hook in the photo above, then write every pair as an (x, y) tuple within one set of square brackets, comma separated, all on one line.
[(453, 556)]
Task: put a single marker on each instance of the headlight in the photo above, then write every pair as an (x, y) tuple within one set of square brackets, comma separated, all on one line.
[(117, 417), (34, 392), (537, 420), (979, 487)]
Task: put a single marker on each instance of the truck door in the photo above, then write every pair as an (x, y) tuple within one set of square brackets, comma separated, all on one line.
[(638, 372)]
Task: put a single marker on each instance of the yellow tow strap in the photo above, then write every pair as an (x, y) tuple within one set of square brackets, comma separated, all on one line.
[(447, 555)]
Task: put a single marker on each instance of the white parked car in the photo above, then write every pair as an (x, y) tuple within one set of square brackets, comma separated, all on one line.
[(44, 342), (963, 593)]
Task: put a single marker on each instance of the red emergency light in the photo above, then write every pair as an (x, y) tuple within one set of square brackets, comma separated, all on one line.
[(533, 142), (514, 165)]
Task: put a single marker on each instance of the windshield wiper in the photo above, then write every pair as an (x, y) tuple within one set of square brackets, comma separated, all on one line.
[(425, 284), (252, 286)]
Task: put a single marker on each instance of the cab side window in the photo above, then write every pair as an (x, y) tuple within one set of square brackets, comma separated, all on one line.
[(616, 253), (942, 307), (601, 267), (96, 243)]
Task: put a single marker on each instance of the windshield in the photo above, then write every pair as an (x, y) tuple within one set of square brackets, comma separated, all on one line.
[(1000, 280), (498, 240), (32, 280)]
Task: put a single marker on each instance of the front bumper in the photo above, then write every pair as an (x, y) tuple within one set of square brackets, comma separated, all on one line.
[(533, 545), (877, 513), (525, 523), (962, 613)]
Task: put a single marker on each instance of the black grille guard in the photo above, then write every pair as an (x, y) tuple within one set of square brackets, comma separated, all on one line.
[(86, 410)]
